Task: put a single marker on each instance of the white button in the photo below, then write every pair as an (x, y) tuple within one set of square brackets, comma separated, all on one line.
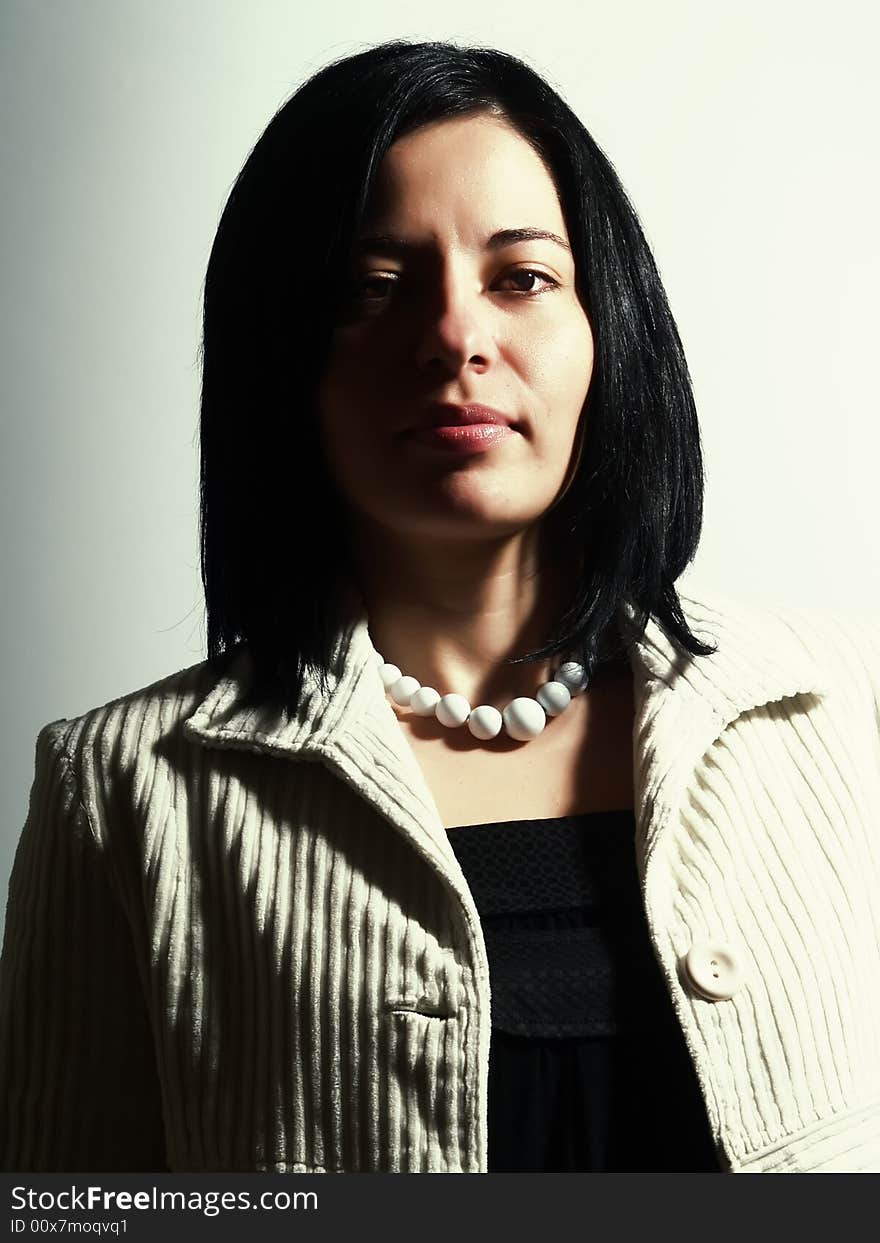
[(713, 970)]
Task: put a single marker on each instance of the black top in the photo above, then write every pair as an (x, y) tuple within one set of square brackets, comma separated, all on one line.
[(588, 1069)]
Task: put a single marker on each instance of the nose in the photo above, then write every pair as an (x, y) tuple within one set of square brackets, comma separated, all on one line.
[(456, 330)]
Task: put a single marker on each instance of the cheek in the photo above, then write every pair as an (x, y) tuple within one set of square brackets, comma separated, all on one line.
[(576, 363), (355, 452), (358, 357), (355, 379), (562, 366), (335, 424), (342, 397)]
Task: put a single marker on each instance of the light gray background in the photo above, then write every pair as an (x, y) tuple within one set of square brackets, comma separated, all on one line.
[(745, 133)]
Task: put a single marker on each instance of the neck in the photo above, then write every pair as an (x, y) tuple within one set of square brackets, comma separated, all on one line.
[(454, 617)]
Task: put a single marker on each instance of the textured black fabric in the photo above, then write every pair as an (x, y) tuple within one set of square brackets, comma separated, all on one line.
[(588, 1068)]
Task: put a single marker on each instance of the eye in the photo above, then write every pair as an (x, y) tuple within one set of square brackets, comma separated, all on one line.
[(380, 282), (374, 287), (530, 273)]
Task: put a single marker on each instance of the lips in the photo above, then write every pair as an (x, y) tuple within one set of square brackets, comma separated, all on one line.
[(462, 438), (446, 414)]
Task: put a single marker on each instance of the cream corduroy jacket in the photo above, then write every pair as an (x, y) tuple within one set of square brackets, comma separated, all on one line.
[(240, 942)]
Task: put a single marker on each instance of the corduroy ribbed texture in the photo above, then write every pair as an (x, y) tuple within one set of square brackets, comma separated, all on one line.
[(238, 942)]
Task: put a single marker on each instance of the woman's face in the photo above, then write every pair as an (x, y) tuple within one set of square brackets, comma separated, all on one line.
[(448, 310)]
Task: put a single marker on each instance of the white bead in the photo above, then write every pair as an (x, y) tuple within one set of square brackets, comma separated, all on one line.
[(524, 718), (554, 697), (572, 675), (424, 701), (452, 710), (403, 689), (485, 722), (389, 674)]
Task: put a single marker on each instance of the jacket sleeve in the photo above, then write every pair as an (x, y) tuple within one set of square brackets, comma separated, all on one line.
[(78, 1084)]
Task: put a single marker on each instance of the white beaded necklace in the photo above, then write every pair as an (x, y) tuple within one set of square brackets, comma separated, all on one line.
[(523, 718)]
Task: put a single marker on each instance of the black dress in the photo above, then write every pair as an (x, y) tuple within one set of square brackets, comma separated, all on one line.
[(588, 1068)]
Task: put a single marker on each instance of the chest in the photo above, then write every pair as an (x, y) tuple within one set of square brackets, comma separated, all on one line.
[(581, 762)]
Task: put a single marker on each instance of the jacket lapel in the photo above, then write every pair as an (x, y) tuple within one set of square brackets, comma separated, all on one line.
[(682, 704)]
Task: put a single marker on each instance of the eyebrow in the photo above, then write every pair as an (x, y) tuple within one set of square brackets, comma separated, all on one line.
[(388, 244)]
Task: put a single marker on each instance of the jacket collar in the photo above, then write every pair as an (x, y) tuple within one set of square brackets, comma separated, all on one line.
[(682, 704)]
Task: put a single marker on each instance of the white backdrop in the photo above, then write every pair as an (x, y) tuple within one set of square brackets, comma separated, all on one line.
[(746, 135)]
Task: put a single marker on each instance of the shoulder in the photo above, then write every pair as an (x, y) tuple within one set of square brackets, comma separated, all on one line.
[(814, 627), (842, 642), (137, 720)]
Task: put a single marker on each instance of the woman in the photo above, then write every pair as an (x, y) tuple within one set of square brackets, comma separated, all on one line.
[(462, 851)]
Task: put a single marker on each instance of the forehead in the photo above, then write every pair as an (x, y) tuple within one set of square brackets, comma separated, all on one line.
[(464, 167)]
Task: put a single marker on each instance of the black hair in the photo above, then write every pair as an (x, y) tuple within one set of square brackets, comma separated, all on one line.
[(276, 562)]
